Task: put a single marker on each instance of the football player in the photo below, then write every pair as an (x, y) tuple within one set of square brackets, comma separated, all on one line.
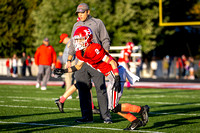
[(125, 57), (94, 55)]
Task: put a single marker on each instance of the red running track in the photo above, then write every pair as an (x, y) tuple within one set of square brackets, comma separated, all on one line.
[(161, 85)]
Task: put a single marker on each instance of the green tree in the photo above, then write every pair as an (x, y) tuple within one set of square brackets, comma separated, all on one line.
[(125, 20), (16, 26), (53, 18), (136, 21)]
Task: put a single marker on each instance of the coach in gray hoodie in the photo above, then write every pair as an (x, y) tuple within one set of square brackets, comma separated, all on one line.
[(86, 74)]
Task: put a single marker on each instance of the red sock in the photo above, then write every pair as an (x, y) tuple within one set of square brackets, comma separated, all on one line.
[(92, 105), (128, 84), (126, 107), (62, 99), (128, 116)]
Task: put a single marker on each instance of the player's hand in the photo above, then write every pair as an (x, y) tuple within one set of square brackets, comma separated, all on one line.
[(117, 84), (59, 72)]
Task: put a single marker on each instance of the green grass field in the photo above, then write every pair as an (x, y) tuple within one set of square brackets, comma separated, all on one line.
[(27, 109)]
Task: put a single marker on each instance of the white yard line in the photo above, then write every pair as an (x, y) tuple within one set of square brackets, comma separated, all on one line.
[(35, 107), (122, 100), (54, 125), (164, 103), (15, 100), (161, 96)]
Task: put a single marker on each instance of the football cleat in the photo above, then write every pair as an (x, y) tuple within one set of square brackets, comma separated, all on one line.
[(144, 114), (60, 105), (134, 124)]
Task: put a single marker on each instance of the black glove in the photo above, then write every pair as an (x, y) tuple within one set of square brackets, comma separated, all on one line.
[(117, 84), (59, 72)]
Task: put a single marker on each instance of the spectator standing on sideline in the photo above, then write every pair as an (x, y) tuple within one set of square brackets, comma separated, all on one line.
[(45, 58), (23, 62), (14, 65), (183, 58), (8, 67), (29, 64), (86, 73), (154, 66), (191, 68), (179, 67), (165, 66), (138, 63)]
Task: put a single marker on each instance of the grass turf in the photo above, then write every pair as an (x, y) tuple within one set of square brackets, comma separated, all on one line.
[(27, 109)]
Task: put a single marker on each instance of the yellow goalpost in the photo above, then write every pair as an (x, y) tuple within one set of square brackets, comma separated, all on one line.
[(161, 23)]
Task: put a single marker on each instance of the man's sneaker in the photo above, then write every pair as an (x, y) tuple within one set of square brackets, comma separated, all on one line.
[(84, 120), (144, 114), (95, 110), (60, 105), (37, 85), (43, 88), (134, 124), (107, 120)]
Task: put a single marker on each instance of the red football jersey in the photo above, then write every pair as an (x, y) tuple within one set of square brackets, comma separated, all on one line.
[(93, 56), (123, 53)]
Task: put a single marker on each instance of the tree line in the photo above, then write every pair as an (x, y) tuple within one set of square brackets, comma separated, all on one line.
[(25, 23)]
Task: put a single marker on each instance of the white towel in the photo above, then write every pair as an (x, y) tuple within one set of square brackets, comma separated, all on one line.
[(124, 73)]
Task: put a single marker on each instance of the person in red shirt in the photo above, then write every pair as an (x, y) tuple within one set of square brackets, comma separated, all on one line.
[(45, 58), (125, 55), (8, 66), (95, 56)]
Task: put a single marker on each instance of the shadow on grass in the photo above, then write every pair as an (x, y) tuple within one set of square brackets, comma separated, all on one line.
[(42, 125), (173, 123), (176, 122), (175, 111)]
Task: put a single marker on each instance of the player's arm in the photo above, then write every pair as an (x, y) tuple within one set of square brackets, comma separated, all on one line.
[(77, 67), (113, 63), (69, 59), (74, 68)]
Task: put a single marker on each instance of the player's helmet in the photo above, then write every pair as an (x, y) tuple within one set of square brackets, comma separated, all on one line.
[(130, 45), (84, 33)]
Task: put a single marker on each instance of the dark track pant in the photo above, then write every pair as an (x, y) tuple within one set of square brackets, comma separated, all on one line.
[(83, 79)]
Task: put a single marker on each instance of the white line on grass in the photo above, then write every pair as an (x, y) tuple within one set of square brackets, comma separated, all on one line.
[(122, 100), (160, 96), (12, 106), (35, 107), (21, 100), (34, 98), (166, 103), (54, 125)]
